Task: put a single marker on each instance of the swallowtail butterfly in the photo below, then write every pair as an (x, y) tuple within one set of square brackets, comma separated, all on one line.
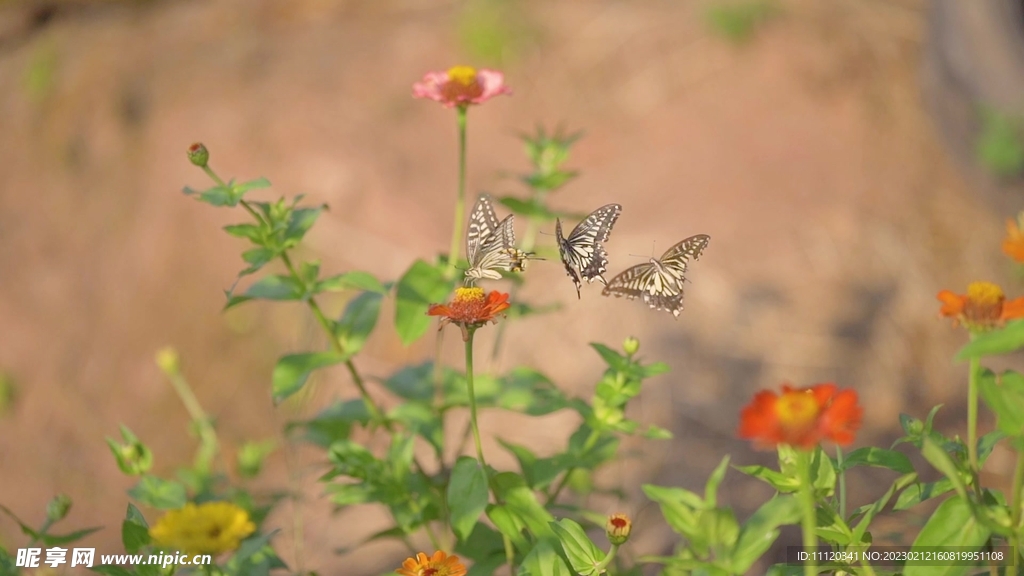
[(660, 282), (582, 249), (490, 244)]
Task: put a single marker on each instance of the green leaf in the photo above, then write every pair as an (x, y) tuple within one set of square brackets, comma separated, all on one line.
[(421, 286), (714, 481), (334, 422), (613, 359), (510, 524), (869, 512), (467, 495), (61, 539), (159, 493), (1004, 394), (543, 560), (528, 208), (938, 458), (413, 382), (761, 529), (878, 457), (995, 342), (520, 499), (916, 493), (358, 321), (299, 222), (583, 555), (277, 287), (657, 433), (292, 371), (256, 258), (420, 418), (781, 482), (952, 524), (355, 280), (251, 232), (250, 185), (528, 391), (539, 472), (216, 196), (134, 530), (678, 506)]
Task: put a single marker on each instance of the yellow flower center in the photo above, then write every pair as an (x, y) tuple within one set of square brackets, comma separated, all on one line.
[(797, 410), (467, 295), (984, 293), (464, 75)]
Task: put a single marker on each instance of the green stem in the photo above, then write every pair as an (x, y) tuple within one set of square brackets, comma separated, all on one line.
[(808, 521), (1015, 506), (472, 398), (375, 412), (591, 440), (460, 200), (603, 564), (972, 417), (842, 483), (207, 435)]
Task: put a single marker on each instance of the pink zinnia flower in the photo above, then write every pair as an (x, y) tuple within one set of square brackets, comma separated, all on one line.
[(461, 86)]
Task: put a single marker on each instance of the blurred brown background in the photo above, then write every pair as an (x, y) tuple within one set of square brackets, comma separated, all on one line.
[(795, 133)]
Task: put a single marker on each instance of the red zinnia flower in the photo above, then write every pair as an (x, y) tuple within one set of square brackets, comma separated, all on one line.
[(470, 308), (461, 86), (440, 564), (983, 307), (801, 417)]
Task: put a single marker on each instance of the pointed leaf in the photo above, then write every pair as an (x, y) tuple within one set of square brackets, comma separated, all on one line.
[(355, 280), (583, 555), (421, 286), (995, 342), (358, 321), (293, 370), (467, 495)]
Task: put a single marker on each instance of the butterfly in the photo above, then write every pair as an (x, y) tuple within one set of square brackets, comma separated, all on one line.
[(582, 249), (660, 282), (490, 244)]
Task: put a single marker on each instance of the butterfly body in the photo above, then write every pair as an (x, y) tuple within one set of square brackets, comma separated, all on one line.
[(490, 244), (582, 251), (659, 282)]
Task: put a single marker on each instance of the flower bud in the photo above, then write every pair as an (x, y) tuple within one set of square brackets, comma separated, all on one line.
[(618, 528), (168, 361), (631, 345), (133, 457), (198, 154), (58, 507)]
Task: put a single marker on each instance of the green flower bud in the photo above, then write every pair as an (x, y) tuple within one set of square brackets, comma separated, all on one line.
[(133, 457), (168, 361), (198, 154), (631, 345), (58, 507)]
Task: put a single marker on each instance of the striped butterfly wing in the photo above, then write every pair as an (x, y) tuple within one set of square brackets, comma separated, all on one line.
[(483, 224), (583, 250), (659, 283), (496, 252)]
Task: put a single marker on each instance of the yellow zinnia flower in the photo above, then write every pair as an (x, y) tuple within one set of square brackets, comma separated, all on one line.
[(209, 528)]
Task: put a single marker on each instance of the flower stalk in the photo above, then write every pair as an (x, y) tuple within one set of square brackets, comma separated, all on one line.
[(472, 399), (808, 520), (460, 199)]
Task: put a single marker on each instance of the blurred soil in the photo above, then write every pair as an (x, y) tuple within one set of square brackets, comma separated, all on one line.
[(804, 151)]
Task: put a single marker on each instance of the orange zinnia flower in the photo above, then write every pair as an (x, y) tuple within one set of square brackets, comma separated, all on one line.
[(470, 308), (440, 564), (801, 417), (1013, 244), (461, 86), (983, 307)]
